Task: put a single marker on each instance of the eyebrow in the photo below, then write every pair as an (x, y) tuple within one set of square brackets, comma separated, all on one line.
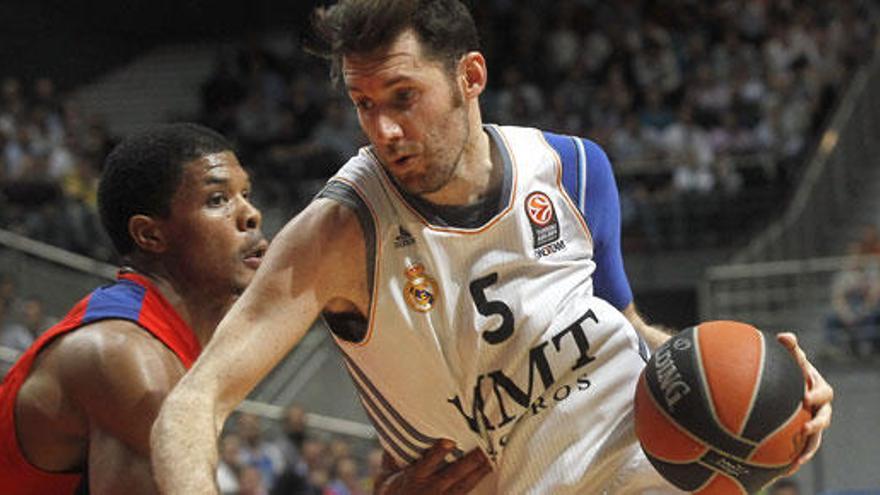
[(388, 83), (213, 179)]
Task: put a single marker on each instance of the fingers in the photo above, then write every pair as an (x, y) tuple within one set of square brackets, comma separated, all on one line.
[(817, 398), (790, 342), (819, 392), (821, 420), (466, 473), (813, 443), (433, 459)]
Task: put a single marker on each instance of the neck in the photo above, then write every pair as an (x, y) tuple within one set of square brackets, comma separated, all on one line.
[(478, 171), (201, 310)]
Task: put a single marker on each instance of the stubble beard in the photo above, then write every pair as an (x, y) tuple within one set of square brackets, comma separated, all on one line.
[(446, 173)]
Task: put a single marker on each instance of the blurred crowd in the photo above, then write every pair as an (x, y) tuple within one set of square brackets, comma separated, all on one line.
[(701, 105), (50, 159), (853, 323), (22, 320), (707, 109), (295, 460)]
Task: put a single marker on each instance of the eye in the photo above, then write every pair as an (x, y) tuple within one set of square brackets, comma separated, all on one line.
[(363, 104), (404, 97), (217, 199)]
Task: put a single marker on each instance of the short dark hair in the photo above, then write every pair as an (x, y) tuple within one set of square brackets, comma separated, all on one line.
[(445, 28), (143, 172)]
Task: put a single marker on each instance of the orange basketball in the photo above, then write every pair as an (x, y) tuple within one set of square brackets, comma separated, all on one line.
[(719, 409)]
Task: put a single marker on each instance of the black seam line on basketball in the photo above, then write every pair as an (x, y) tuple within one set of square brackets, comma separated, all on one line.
[(756, 385), (363, 381), (779, 428), (739, 485), (675, 424), (708, 393), (707, 482), (379, 419), (417, 435), (705, 443)]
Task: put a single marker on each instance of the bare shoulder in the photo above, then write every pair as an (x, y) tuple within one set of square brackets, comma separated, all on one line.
[(114, 363), (110, 376)]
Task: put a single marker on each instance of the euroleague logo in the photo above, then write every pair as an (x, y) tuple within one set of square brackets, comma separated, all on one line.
[(539, 208), (545, 226)]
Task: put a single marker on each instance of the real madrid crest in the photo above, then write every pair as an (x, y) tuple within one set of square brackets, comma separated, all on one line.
[(420, 291)]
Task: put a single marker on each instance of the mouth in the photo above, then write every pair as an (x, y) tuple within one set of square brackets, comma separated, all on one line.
[(253, 257), (403, 161)]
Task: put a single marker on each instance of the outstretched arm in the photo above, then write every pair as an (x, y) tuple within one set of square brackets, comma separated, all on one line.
[(304, 269)]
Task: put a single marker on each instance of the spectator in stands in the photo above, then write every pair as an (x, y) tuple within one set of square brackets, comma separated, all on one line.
[(337, 134), (772, 70), (346, 479), (257, 451), (309, 475), (869, 244), (855, 303), (229, 467), (293, 434), (374, 470), (21, 334), (7, 290), (251, 481), (47, 171)]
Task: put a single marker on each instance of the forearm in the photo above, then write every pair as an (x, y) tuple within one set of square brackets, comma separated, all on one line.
[(654, 335), (184, 444), (115, 467)]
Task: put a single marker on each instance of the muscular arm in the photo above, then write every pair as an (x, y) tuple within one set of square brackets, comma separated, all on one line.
[(116, 375), (317, 259)]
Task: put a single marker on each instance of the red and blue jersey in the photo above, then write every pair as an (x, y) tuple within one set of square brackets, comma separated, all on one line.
[(132, 297)]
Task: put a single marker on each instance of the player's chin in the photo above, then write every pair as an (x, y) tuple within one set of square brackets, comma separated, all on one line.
[(242, 279)]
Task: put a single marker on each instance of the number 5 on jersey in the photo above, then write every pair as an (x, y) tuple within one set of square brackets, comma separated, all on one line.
[(488, 308)]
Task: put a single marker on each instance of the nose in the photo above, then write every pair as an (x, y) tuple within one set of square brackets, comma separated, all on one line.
[(250, 217), (388, 129)]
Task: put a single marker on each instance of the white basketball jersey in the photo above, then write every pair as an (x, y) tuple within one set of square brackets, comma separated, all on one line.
[(491, 336)]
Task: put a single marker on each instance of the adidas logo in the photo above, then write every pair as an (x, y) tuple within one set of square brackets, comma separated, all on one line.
[(403, 238)]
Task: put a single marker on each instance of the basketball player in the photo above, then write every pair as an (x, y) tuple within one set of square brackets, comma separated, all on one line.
[(77, 407), (471, 275)]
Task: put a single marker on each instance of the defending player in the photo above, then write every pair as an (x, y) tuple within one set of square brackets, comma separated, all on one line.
[(456, 264), (77, 407)]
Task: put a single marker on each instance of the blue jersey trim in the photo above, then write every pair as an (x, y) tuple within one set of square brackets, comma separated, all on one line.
[(588, 179), (122, 300)]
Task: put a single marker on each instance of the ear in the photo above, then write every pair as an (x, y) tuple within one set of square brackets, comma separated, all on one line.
[(147, 234), (473, 74)]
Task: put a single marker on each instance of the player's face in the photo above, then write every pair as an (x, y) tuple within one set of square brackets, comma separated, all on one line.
[(412, 111), (214, 231)]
